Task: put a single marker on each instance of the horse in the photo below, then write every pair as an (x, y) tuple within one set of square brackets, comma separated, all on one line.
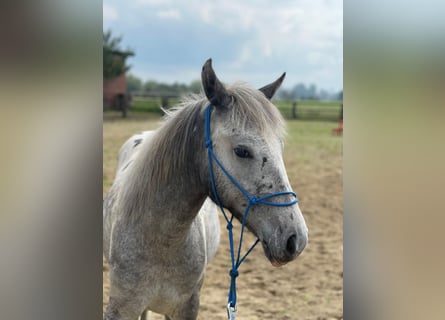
[(161, 226)]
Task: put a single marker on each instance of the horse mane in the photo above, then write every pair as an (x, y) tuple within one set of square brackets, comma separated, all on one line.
[(175, 146)]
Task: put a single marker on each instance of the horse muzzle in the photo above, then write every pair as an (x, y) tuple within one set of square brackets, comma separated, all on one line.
[(282, 250)]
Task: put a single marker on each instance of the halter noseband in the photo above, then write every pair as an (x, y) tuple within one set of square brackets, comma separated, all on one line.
[(231, 306)]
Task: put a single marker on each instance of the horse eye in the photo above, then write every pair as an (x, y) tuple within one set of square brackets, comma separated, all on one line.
[(242, 152)]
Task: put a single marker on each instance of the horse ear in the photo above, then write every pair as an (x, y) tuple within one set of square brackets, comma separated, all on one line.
[(271, 88), (213, 88)]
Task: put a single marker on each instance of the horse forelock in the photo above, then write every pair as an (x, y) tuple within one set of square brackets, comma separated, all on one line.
[(252, 109)]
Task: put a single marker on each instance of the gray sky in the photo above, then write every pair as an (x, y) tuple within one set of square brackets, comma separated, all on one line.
[(253, 41)]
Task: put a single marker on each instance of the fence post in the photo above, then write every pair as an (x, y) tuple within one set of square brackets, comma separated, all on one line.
[(164, 102), (122, 104), (294, 110)]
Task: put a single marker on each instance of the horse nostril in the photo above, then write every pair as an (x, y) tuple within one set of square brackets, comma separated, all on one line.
[(291, 245)]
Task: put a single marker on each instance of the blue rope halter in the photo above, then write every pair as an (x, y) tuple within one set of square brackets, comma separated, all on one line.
[(231, 307)]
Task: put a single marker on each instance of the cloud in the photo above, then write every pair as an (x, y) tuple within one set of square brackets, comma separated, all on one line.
[(249, 40), (169, 14), (152, 2)]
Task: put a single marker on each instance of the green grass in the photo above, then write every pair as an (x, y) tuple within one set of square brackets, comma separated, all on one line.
[(311, 137), (310, 109), (309, 103), (151, 105), (306, 109)]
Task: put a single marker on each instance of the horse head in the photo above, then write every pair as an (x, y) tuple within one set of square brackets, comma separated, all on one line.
[(247, 133)]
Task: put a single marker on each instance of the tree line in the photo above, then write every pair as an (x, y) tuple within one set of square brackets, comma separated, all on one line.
[(299, 92), (308, 92), (135, 84)]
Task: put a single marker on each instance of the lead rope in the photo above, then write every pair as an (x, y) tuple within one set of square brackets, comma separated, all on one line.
[(231, 305)]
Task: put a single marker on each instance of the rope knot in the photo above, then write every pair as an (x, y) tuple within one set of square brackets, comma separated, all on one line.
[(229, 226), (253, 201), (208, 144), (234, 273)]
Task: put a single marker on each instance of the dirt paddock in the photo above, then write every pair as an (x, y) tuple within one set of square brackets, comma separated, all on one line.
[(311, 287)]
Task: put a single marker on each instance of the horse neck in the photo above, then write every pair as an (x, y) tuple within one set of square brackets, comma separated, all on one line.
[(177, 200)]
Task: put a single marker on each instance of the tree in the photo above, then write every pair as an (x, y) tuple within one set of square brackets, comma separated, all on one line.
[(195, 86), (114, 58), (134, 83), (340, 95), (312, 92), (299, 92)]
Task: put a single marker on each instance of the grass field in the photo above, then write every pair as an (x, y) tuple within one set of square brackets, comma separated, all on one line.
[(310, 287), (310, 109)]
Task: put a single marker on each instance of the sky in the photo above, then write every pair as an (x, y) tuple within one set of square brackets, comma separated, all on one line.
[(253, 40)]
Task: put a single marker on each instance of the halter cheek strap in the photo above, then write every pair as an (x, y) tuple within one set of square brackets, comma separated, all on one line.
[(231, 307)]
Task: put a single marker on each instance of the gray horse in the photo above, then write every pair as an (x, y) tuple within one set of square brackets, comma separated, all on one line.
[(161, 227)]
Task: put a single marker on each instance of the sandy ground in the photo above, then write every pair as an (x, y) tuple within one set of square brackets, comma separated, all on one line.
[(311, 286)]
